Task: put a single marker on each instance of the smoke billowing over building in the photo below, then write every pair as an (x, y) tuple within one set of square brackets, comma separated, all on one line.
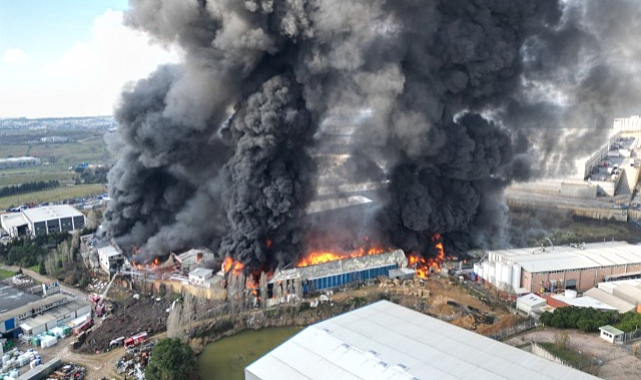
[(436, 105)]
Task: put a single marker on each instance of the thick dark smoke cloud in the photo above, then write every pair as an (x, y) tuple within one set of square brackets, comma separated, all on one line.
[(449, 100)]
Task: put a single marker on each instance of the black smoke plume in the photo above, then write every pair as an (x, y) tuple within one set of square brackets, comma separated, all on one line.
[(448, 100)]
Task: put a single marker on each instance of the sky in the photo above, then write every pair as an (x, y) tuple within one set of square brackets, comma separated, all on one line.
[(70, 57)]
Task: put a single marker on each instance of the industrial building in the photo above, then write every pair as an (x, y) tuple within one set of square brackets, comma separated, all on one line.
[(55, 317), (10, 321), (335, 274), (42, 221), (200, 276), (193, 258), (12, 298), (18, 162), (623, 295), (387, 341), (549, 269), (110, 258)]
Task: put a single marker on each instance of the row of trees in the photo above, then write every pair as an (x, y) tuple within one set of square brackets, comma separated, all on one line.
[(27, 252), (28, 187), (589, 319)]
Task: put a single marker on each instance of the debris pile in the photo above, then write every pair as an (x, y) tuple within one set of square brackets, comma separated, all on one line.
[(146, 313), (133, 364), (69, 372)]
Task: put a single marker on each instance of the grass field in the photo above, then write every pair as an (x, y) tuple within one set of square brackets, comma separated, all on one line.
[(5, 274), (17, 177), (56, 160), (53, 195)]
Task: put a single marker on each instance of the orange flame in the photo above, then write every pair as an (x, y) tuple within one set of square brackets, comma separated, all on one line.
[(321, 257), (424, 265), (230, 265)]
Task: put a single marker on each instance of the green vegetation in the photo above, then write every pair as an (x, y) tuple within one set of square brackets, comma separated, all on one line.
[(27, 252), (28, 187), (533, 228), (171, 360), (570, 356), (53, 195), (589, 320), (5, 274)]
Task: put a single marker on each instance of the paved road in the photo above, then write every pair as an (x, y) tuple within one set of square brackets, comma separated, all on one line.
[(43, 279)]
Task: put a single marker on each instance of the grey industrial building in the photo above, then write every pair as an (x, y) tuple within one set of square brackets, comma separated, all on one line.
[(42, 315), (391, 342), (339, 273), (42, 221)]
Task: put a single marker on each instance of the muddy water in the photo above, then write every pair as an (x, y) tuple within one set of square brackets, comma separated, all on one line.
[(227, 358)]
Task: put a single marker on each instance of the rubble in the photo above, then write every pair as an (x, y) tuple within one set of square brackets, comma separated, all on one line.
[(69, 372), (145, 314), (133, 364)]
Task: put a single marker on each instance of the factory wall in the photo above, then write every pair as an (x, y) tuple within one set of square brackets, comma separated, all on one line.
[(578, 190), (585, 278), (342, 279)]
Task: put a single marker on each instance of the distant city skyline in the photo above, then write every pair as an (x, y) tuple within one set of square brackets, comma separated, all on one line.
[(70, 57)]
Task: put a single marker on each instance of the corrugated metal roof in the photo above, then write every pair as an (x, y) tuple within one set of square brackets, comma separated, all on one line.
[(32, 305), (609, 299), (536, 260), (585, 301), (387, 341), (349, 265)]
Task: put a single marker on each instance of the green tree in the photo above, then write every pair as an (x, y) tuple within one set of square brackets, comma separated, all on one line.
[(41, 268), (171, 360)]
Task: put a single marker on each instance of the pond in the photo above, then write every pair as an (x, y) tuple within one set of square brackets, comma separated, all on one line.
[(227, 358)]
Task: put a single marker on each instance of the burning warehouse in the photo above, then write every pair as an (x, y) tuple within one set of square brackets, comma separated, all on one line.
[(280, 113), (338, 273)]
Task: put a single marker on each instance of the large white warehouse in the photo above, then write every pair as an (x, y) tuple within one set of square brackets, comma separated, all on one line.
[(42, 220), (391, 342), (548, 269)]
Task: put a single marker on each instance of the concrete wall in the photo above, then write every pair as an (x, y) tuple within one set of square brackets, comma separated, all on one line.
[(578, 190), (214, 293), (540, 351), (585, 279)]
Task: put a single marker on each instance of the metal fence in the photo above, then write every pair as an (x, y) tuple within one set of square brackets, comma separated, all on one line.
[(631, 336)]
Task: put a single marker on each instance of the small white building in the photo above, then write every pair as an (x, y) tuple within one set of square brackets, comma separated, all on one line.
[(530, 304), (109, 258), (200, 276), (611, 334)]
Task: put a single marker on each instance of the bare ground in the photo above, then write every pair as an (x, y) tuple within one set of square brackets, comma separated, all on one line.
[(618, 361)]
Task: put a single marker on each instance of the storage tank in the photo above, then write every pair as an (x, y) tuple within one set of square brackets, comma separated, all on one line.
[(516, 276), (506, 276)]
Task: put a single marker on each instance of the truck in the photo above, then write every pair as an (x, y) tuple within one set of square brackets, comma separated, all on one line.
[(84, 326), (136, 340)]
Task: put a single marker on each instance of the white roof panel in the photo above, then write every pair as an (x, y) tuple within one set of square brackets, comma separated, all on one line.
[(595, 255), (108, 251), (13, 220), (387, 341), (40, 214)]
